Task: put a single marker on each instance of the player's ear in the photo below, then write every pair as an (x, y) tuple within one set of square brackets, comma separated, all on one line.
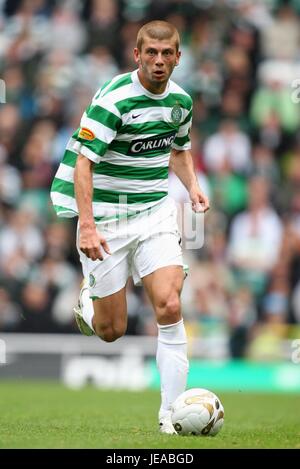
[(178, 55), (136, 55)]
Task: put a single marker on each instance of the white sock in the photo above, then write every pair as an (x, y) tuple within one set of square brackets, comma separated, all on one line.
[(87, 307), (172, 362)]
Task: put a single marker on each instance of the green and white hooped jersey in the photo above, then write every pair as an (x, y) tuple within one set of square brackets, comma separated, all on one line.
[(128, 133)]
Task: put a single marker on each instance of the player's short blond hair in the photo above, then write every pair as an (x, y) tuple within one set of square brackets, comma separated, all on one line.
[(157, 30)]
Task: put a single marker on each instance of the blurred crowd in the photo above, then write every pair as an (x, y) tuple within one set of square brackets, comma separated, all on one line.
[(241, 64)]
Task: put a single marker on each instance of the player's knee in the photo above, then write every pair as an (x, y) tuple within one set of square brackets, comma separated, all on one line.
[(108, 332), (168, 310)]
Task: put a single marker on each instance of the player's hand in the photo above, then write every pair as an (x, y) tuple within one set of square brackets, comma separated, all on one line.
[(92, 243), (200, 202)]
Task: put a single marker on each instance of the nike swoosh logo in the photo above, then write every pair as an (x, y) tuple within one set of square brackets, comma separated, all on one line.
[(137, 115)]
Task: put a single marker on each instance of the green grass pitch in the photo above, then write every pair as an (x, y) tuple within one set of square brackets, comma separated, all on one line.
[(48, 415)]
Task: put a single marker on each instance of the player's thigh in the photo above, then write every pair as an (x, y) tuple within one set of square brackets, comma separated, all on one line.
[(163, 287), (111, 311), (107, 282), (109, 291), (156, 251)]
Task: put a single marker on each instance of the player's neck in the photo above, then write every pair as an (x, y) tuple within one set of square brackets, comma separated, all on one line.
[(155, 88)]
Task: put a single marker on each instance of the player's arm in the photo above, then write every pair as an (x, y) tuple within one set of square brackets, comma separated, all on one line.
[(98, 128), (90, 240), (181, 163)]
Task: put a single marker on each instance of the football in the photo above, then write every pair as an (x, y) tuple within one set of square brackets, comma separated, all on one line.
[(197, 412)]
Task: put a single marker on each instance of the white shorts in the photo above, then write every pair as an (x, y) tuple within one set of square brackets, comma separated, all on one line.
[(138, 246)]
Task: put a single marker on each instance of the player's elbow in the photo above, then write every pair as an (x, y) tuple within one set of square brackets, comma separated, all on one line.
[(83, 162), (172, 161)]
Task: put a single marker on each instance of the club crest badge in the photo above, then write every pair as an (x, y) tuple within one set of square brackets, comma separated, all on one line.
[(176, 114), (92, 280)]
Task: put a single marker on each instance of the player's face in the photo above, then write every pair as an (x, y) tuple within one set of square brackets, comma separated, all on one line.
[(156, 61)]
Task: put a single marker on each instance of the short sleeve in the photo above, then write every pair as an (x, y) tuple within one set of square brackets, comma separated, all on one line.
[(98, 127), (182, 140)]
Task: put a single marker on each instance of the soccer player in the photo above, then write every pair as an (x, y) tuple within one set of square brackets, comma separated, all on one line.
[(114, 176)]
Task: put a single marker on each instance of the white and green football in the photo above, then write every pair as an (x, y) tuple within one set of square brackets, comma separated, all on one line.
[(197, 412)]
